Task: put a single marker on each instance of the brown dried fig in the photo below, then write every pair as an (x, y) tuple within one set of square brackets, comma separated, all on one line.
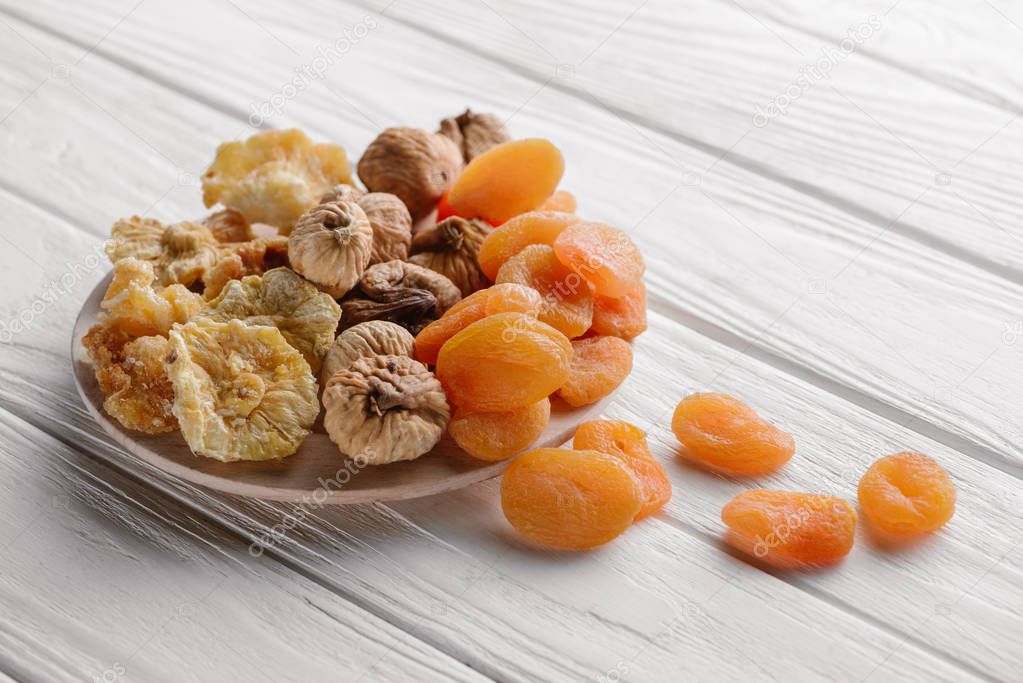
[(413, 309), (331, 245), (385, 409), (474, 133), (450, 248), (380, 279), (416, 165), (373, 338), (392, 226)]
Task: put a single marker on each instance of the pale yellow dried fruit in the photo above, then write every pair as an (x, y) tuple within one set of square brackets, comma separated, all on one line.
[(241, 392), (331, 246), (385, 409), (132, 306), (373, 338), (239, 259), (305, 316), (229, 226), (274, 177), (133, 377), (416, 165), (392, 226), (450, 248), (180, 253), (474, 133)]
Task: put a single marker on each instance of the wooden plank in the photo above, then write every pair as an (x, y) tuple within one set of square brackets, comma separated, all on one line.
[(103, 578), (847, 303)]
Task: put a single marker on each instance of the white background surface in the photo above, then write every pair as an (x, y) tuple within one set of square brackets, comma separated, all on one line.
[(853, 269)]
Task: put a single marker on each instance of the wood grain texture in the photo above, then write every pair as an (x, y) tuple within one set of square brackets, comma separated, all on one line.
[(666, 601), (768, 268)]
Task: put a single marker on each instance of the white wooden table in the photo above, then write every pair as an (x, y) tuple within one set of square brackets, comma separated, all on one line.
[(829, 198)]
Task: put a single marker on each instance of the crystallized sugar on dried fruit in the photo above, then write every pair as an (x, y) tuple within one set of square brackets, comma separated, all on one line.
[(305, 316), (385, 409), (241, 392), (133, 378), (180, 253), (273, 177), (132, 306)]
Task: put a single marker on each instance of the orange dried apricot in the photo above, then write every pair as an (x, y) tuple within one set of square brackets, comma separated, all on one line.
[(503, 298), (570, 500), (507, 180), (723, 433), (906, 494), (628, 443), (605, 256), (568, 302), (599, 365), (562, 200), (623, 317), (496, 436), (791, 530), (535, 227), (503, 362)]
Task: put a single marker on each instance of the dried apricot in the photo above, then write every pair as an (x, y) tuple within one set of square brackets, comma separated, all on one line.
[(628, 443), (503, 298), (605, 256), (507, 180), (791, 530), (568, 302), (535, 227), (571, 500), (496, 436), (562, 200), (907, 493), (599, 365), (724, 433), (503, 362), (623, 317)]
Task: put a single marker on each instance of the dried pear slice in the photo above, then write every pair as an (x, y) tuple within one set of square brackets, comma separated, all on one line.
[(306, 316), (241, 392)]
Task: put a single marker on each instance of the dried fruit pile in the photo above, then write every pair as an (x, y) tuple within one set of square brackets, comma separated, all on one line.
[(455, 294)]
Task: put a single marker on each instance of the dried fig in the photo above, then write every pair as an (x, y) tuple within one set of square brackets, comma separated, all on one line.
[(305, 316), (416, 165), (392, 226), (241, 392), (379, 279), (413, 309), (179, 253), (273, 177), (373, 338), (239, 259), (342, 193), (474, 133), (331, 246), (450, 248), (385, 409)]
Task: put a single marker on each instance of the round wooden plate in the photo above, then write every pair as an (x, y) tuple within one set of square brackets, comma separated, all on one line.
[(317, 473)]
